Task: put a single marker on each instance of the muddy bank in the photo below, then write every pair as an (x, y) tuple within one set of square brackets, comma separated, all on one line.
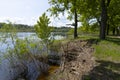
[(77, 60)]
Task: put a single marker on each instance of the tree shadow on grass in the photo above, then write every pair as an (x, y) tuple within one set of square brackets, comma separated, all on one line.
[(114, 40), (106, 70), (96, 41), (93, 41)]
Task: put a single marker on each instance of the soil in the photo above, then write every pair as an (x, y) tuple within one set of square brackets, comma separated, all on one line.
[(77, 60)]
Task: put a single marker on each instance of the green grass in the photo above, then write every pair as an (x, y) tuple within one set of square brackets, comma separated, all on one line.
[(107, 50)]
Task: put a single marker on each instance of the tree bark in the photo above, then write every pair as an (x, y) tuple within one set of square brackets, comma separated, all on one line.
[(113, 31), (107, 31), (117, 31), (103, 20), (108, 25), (108, 2), (75, 25)]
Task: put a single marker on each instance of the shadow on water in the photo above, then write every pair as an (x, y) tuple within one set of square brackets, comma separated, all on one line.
[(106, 70)]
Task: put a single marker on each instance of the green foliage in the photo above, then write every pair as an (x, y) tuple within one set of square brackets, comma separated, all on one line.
[(60, 6), (90, 10), (19, 27), (66, 6), (20, 47), (8, 31), (89, 29), (70, 32), (61, 29), (42, 28)]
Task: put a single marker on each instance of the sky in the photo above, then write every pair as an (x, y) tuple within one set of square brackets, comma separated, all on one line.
[(26, 12)]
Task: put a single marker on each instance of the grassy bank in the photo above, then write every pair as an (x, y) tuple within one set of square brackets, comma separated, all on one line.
[(106, 53), (108, 49)]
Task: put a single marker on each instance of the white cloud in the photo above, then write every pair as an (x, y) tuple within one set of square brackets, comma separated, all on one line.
[(33, 20), (60, 21), (28, 12), (19, 20), (22, 11), (63, 21)]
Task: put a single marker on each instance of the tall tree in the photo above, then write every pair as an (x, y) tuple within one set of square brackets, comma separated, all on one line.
[(103, 20), (106, 12), (114, 16), (96, 9), (70, 6)]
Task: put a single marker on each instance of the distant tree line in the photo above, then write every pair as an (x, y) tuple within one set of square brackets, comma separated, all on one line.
[(61, 30), (19, 27), (26, 28)]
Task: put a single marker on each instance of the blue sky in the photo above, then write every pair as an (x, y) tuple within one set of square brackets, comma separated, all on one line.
[(26, 12), (22, 11)]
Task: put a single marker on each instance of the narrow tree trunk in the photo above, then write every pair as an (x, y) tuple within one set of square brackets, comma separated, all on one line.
[(117, 30), (108, 27), (113, 31), (103, 20), (75, 26)]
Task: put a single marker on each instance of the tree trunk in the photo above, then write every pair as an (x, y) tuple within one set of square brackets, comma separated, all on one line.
[(103, 20), (113, 31), (108, 27), (117, 30), (75, 25)]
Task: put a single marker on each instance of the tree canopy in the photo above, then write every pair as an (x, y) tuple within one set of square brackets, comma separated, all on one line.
[(105, 13), (69, 6), (42, 28)]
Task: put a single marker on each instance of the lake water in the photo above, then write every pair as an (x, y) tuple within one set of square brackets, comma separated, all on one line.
[(22, 35), (6, 72)]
